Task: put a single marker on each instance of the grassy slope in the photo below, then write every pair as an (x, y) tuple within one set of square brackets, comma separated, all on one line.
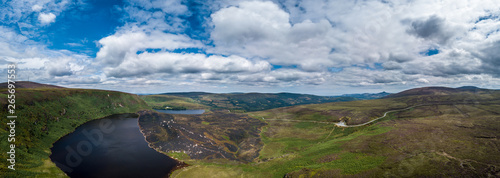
[(455, 136), (45, 115), (169, 100)]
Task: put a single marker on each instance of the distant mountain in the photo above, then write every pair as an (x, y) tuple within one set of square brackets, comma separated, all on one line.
[(436, 91), (187, 94), (367, 96), (26, 84), (250, 101)]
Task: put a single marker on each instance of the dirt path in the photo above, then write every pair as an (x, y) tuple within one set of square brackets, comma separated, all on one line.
[(291, 120), (342, 123)]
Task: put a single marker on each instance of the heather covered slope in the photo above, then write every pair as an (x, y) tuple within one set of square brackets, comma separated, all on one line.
[(46, 114), (439, 91), (26, 84), (208, 136)]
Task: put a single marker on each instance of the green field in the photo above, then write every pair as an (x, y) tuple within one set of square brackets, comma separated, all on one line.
[(161, 101)]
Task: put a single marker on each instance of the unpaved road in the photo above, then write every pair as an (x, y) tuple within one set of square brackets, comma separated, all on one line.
[(342, 123)]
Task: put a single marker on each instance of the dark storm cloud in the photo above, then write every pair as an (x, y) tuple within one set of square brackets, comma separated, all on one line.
[(57, 72), (490, 57), (131, 72), (448, 70), (400, 58), (384, 80), (433, 28), (391, 65)]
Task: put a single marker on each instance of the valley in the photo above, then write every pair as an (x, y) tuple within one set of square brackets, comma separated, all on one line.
[(238, 102)]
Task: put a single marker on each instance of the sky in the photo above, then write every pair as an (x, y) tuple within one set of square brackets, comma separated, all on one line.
[(323, 47)]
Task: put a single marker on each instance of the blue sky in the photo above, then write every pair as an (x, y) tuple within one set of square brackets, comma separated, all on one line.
[(317, 47)]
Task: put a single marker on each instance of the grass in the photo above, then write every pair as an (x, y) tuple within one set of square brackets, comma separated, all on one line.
[(178, 155), (208, 171), (172, 101), (282, 154)]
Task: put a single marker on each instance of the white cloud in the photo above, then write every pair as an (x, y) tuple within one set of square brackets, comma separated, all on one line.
[(116, 48), (46, 18), (27, 11), (36, 8), (423, 80), (262, 29), (165, 62), (248, 23)]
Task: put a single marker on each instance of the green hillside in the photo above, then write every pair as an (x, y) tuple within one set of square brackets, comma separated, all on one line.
[(174, 102), (46, 114)]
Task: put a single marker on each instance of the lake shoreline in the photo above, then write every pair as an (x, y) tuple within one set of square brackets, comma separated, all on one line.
[(57, 154), (180, 164)]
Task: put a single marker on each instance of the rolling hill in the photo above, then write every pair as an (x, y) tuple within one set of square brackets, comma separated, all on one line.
[(26, 84), (440, 91)]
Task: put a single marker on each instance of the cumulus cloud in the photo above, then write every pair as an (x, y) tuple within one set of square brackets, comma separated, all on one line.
[(36, 62), (30, 12), (36, 7), (248, 23), (433, 28), (166, 62), (262, 29), (62, 66), (116, 48), (490, 57), (46, 18)]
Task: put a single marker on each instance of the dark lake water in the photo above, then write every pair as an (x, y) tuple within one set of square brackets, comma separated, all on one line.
[(109, 147), (198, 111)]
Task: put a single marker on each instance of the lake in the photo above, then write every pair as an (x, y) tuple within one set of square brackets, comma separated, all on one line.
[(109, 147), (195, 111)]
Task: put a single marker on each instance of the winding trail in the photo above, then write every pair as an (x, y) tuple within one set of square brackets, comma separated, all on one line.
[(292, 120), (342, 123)]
